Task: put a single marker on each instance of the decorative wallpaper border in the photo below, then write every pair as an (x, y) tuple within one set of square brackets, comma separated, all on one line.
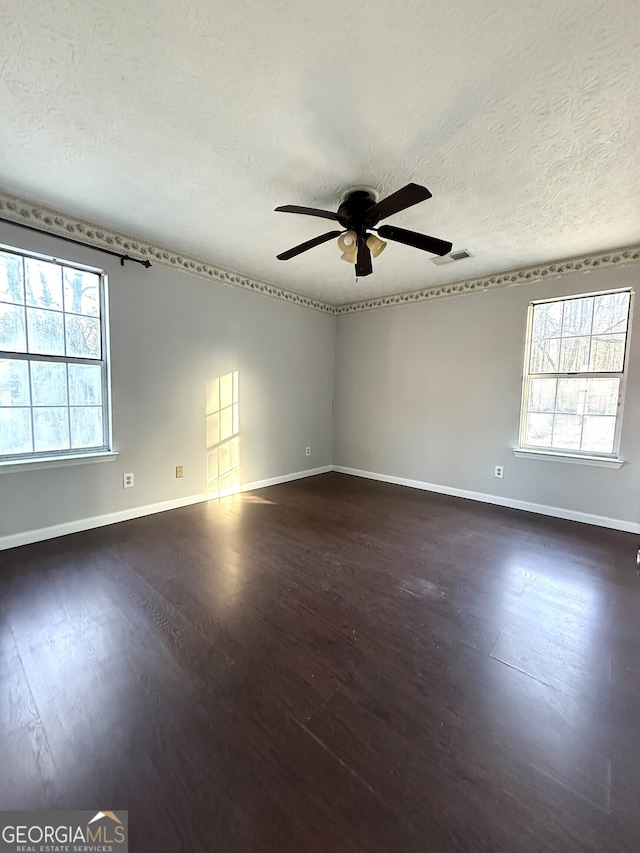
[(556, 269), (62, 225)]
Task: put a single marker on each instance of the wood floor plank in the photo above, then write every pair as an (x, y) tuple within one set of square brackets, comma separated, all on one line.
[(331, 664), (556, 661)]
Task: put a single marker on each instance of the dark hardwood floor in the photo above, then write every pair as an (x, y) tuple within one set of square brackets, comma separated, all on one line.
[(329, 666)]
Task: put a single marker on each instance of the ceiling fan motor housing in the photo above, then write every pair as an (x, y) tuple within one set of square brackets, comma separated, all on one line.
[(353, 214)]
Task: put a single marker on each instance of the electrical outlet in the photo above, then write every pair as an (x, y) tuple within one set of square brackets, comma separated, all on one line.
[(498, 471), (127, 481), (307, 451), (179, 471)]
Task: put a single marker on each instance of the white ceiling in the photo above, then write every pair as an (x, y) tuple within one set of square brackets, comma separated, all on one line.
[(186, 124)]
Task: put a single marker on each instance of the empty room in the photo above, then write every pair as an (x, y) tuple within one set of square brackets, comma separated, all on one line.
[(319, 427)]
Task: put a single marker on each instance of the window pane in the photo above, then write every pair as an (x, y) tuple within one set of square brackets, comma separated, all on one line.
[(46, 332), (574, 355), (12, 328), (598, 434), (86, 427), (607, 354), (48, 383), (15, 431), (83, 336), (236, 419), (602, 396), (610, 314), (572, 395), (81, 292), (578, 412), (545, 356), (539, 430), (51, 429), (542, 395), (547, 321), (11, 282), (49, 400), (578, 315), (14, 383), (85, 385), (44, 284), (567, 430)]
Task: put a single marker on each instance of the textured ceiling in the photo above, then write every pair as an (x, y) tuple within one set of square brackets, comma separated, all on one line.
[(186, 124)]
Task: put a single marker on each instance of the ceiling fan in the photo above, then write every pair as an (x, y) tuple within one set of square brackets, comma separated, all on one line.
[(359, 214)]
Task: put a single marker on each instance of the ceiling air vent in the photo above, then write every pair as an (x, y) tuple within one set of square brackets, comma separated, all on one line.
[(460, 255)]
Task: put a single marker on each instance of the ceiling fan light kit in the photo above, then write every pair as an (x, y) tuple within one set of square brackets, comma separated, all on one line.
[(359, 214), (376, 245), (348, 245)]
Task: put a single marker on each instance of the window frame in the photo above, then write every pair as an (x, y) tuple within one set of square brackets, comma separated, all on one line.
[(611, 459), (68, 456)]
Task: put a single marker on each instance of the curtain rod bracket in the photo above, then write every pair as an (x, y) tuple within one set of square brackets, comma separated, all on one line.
[(124, 258)]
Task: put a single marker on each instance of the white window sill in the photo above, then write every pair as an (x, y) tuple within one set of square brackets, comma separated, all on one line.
[(575, 459), (13, 466)]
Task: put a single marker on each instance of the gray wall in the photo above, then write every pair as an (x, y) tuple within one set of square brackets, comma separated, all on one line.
[(430, 392), (427, 393), (171, 333)]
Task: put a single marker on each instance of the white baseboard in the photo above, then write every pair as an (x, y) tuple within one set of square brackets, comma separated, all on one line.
[(40, 535), (43, 533), (16, 539), (285, 478), (540, 509)]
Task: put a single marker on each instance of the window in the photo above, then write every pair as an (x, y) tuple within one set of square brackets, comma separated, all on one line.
[(574, 374), (53, 358)]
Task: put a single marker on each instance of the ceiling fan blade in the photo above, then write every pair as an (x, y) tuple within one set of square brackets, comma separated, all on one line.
[(400, 200), (310, 244), (309, 211), (412, 238), (363, 264)]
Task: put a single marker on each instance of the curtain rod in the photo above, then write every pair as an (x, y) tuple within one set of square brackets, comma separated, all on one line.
[(123, 258)]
